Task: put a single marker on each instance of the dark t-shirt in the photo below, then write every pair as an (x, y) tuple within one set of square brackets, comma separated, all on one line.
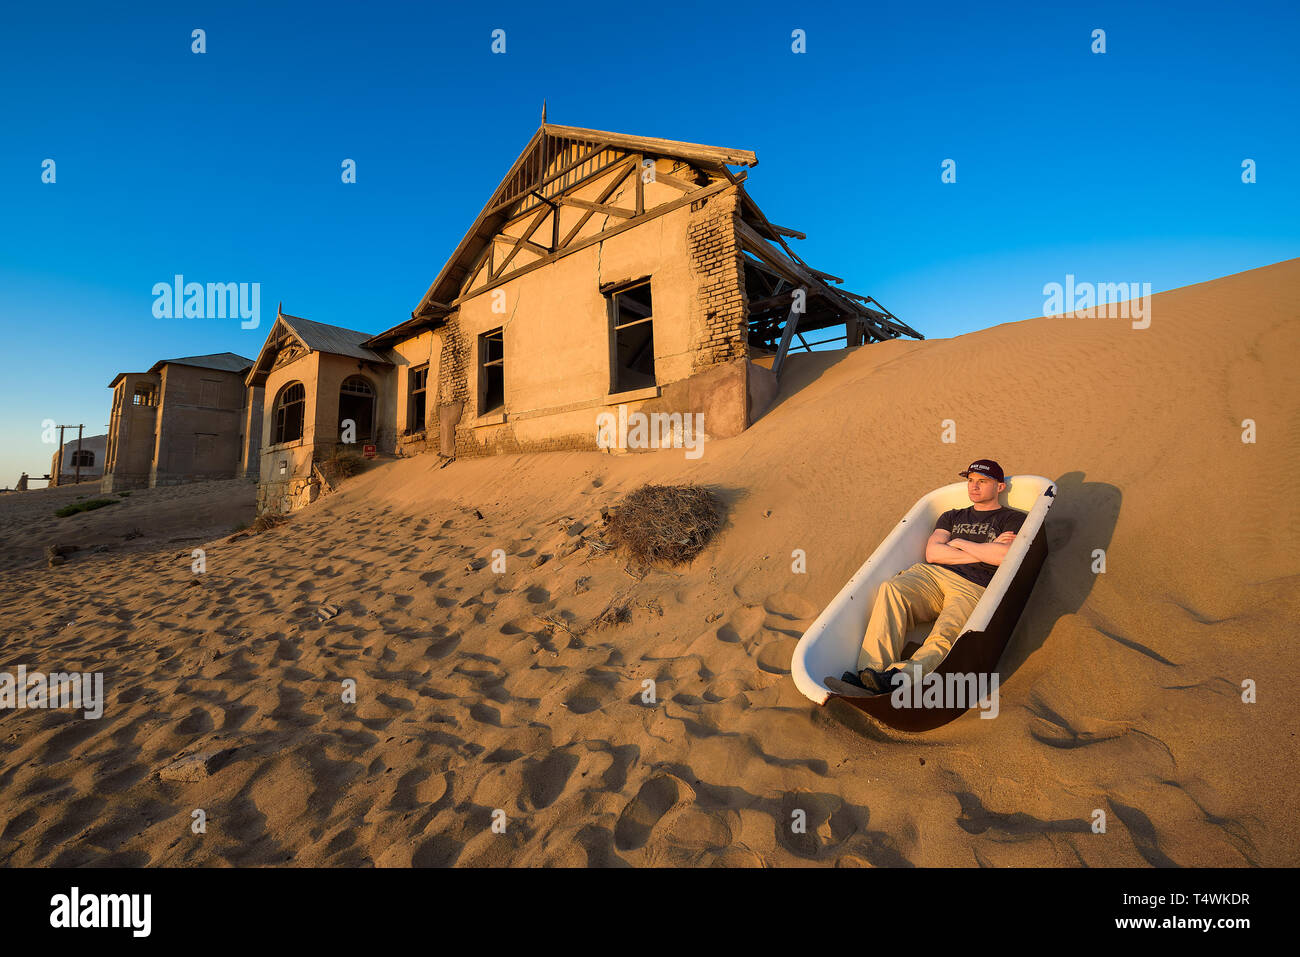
[(973, 525)]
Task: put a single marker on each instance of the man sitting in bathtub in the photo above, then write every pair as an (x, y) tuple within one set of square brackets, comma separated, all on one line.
[(966, 548)]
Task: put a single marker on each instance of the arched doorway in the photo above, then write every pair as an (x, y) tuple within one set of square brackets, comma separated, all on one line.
[(357, 402)]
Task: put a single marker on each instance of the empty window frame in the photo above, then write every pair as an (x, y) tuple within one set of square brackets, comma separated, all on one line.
[(357, 403), (417, 381), (632, 337), (84, 459), (145, 395), (205, 451), (210, 393), (289, 409), (491, 372)]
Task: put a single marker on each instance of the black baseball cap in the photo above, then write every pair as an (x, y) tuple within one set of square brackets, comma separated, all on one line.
[(985, 467)]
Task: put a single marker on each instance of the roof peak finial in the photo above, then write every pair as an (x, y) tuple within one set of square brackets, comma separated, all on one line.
[(543, 112), (279, 309)]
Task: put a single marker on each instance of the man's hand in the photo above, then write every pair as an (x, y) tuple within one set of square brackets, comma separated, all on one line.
[(990, 553), (941, 550)]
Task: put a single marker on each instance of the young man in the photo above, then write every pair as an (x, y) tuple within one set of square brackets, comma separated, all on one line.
[(966, 548)]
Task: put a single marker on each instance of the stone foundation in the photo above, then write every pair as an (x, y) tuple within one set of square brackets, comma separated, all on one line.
[(289, 496)]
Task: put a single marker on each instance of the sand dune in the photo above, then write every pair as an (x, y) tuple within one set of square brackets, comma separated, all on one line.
[(480, 692)]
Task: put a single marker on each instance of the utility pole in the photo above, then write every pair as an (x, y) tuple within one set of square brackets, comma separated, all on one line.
[(77, 479), (58, 471)]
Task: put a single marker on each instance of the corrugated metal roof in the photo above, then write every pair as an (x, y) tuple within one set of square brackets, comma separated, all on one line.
[(221, 361), (320, 337)]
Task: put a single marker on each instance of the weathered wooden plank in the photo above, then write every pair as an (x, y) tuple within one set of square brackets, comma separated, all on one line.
[(791, 323), (598, 207)]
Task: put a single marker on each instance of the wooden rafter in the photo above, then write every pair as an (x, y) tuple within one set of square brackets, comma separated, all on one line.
[(597, 207), (576, 245), (524, 240), (798, 273), (618, 173), (675, 183)]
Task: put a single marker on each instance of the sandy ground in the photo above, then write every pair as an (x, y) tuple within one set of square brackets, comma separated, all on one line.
[(480, 692)]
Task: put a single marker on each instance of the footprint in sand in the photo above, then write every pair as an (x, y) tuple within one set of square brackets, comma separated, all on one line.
[(775, 656), (656, 798), (786, 604), (824, 823), (441, 850), (545, 780), (742, 625)]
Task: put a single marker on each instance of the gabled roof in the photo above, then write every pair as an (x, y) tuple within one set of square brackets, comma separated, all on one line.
[(314, 337), (220, 361), (535, 172), (321, 337)]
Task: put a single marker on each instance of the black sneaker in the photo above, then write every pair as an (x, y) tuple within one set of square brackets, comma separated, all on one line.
[(877, 682), (851, 678)]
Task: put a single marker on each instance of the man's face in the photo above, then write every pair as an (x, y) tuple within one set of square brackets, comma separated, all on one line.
[(982, 489)]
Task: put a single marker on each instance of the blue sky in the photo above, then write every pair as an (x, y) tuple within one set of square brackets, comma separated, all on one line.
[(225, 166)]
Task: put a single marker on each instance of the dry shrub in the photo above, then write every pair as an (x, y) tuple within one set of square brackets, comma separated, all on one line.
[(342, 465), (665, 523), (266, 521)]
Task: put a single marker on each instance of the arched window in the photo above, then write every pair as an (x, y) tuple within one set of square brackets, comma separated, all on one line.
[(356, 385), (84, 459), (290, 406), (357, 405)]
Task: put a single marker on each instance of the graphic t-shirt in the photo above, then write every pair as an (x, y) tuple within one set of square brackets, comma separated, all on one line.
[(972, 525)]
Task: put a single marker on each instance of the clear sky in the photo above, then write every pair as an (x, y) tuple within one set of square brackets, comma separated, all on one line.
[(225, 166)]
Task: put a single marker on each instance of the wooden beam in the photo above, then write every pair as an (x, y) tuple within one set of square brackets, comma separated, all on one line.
[(717, 155), (676, 183), (618, 175), (543, 182), (640, 185), (781, 300), (823, 275), (518, 241), (523, 240), (598, 207), (599, 237), (791, 322), (799, 273), (784, 231)]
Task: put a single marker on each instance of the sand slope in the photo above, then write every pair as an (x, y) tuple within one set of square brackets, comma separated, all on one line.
[(480, 692)]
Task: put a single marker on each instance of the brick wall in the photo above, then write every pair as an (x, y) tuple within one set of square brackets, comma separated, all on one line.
[(717, 319), (720, 305), (502, 441), (453, 383)]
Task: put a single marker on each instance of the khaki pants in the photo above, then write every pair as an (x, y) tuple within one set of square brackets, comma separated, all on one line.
[(922, 593)]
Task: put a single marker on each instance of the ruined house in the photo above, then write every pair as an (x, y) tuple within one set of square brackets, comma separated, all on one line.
[(606, 270), (324, 389), (79, 460), (182, 421)]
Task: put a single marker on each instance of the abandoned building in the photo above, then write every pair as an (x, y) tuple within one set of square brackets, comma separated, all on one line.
[(80, 460), (326, 390), (184, 420), (606, 270)]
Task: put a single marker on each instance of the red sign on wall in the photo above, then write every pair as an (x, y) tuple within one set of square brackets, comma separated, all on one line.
[(369, 451)]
